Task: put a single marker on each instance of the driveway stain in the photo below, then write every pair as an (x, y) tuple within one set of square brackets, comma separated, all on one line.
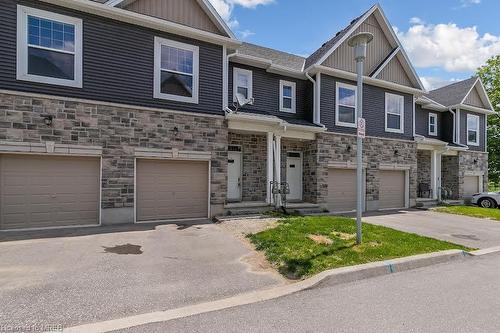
[(469, 237), (124, 249)]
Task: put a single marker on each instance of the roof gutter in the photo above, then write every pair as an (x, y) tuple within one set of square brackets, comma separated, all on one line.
[(123, 15), (473, 109)]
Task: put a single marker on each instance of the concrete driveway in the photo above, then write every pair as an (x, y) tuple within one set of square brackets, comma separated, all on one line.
[(464, 230), (88, 275)]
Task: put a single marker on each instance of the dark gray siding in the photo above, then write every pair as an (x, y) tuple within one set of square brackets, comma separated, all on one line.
[(117, 63), (422, 122), (266, 91), (463, 130), (447, 127), (373, 110)]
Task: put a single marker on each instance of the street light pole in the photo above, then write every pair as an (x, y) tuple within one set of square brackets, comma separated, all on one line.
[(359, 42)]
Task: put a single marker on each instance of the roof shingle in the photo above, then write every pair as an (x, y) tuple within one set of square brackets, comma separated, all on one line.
[(279, 58), (452, 94)]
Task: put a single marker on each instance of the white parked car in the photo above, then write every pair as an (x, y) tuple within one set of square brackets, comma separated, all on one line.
[(486, 199)]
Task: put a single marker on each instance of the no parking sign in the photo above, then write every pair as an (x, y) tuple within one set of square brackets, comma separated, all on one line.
[(361, 128)]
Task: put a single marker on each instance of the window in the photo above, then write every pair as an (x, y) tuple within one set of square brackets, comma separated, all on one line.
[(394, 113), (49, 47), (242, 83), (345, 105), (176, 71), (287, 96), (432, 124), (472, 130)]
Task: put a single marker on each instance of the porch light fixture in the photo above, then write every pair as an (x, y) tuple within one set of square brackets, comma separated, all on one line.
[(47, 119), (396, 152), (475, 161), (176, 130), (359, 42)]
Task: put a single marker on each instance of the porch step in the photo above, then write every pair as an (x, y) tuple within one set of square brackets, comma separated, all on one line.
[(426, 203), (303, 208), (453, 202), (246, 208)]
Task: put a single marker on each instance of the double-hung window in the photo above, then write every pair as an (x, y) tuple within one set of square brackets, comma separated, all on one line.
[(394, 113), (242, 84), (345, 105), (49, 47), (176, 71), (432, 124), (472, 130), (287, 96)]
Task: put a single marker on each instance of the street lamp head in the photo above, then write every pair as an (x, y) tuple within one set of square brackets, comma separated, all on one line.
[(359, 42)]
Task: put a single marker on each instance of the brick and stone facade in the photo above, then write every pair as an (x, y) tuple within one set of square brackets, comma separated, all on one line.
[(118, 130), (449, 175), (472, 163), (424, 168)]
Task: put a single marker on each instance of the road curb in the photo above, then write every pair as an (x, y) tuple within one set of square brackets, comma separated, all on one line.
[(482, 252), (326, 278)]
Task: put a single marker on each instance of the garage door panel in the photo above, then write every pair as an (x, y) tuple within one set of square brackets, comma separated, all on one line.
[(392, 191), (171, 189), (341, 190), (471, 186), (48, 191)]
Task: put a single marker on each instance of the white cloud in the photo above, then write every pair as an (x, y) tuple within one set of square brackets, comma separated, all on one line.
[(434, 82), (416, 20), (244, 34), (467, 3), (225, 8), (453, 48)]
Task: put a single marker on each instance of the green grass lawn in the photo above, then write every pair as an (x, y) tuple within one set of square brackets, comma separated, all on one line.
[(291, 250), (485, 213)]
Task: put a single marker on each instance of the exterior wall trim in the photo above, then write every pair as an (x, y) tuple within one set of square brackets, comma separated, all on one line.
[(173, 154), (103, 103), (345, 165), (394, 167), (49, 147), (369, 137)]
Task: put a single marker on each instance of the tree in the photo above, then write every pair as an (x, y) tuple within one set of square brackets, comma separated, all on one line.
[(490, 75)]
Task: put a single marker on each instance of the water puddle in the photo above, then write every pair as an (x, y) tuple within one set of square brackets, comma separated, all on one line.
[(124, 249)]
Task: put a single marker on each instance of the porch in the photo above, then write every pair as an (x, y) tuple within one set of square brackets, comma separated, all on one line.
[(270, 163)]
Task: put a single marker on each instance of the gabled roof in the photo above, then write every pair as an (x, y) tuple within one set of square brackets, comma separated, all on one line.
[(452, 94), (320, 55), (280, 58), (205, 5)]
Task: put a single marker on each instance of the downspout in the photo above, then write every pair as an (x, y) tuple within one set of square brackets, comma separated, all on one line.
[(316, 104), (225, 80), (455, 139)]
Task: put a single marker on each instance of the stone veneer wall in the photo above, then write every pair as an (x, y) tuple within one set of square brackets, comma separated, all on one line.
[(119, 131), (254, 151), (449, 175), (423, 167), (342, 148), (473, 163)]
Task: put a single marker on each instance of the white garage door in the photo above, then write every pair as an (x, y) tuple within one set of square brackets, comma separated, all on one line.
[(341, 190), (48, 191), (171, 190), (392, 191), (471, 186)]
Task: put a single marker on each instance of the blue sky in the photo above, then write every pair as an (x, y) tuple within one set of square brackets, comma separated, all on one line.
[(446, 39)]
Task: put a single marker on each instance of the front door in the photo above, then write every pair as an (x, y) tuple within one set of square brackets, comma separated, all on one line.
[(294, 176), (234, 176)]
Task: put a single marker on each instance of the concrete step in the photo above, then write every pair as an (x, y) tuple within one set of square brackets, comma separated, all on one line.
[(453, 202), (427, 203)]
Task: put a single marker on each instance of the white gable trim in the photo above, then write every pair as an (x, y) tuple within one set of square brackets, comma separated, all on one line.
[(205, 5), (389, 30), (386, 62), (482, 93)]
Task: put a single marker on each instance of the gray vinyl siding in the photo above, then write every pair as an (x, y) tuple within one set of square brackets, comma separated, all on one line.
[(463, 130), (373, 109), (422, 122), (118, 62), (266, 92), (447, 127)]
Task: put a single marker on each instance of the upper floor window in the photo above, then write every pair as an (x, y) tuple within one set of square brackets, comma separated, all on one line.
[(49, 47), (176, 71), (287, 96), (432, 124), (242, 84), (394, 113), (345, 105), (472, 130)]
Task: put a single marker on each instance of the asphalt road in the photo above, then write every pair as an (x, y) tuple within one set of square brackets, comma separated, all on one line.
[(464, 230), (454, 297)]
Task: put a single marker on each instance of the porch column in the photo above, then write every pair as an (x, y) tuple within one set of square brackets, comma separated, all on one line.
[(277, 165), (270, 171), (434, 174)]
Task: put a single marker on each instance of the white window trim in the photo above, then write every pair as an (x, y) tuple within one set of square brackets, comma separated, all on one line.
[(337, 121), (433, 115), (249, 74), (22, 47), (159, 42), (401, 116), (284, 83), (471, 143)]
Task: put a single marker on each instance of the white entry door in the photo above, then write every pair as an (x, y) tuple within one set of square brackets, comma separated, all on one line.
[(294, 176), (234, 176)]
